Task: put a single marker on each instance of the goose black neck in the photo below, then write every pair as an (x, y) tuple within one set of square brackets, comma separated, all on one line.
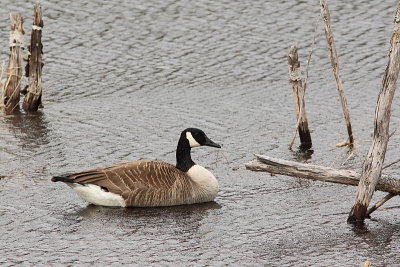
[(183, 159)]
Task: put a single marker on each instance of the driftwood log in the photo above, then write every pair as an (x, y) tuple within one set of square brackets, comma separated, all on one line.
[(272, 165), (33, 97), (12, 86), (335, 67), (372, 167), (298, 98)]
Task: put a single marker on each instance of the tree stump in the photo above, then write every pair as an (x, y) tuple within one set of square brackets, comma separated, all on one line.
[(33, 97), (298, 98), (12, 86)]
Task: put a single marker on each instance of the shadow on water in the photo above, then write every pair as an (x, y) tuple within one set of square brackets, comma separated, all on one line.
[(93, 211), (176, 219), (26, 137), (31, 129), (302, 155), (377, 234)]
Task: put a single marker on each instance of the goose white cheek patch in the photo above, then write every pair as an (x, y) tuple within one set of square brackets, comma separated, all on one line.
[(192, 141)]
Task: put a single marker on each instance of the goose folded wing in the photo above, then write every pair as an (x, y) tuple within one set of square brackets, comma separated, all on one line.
[(130, 176)]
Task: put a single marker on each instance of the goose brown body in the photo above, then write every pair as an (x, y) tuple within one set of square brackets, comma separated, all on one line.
[(146, 183), (149, 183)]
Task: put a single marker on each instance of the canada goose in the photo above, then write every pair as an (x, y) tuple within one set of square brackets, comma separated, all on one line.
[(149, 183)]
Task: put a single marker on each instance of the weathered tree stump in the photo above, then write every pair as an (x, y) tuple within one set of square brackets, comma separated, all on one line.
[(298, 98), (12, 86), (335, 67), (33, 97), (372, 166)]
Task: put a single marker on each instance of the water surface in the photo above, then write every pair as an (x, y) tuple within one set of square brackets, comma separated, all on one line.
[(123, 78)]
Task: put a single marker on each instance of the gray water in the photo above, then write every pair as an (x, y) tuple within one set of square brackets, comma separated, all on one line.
[(123, 78)]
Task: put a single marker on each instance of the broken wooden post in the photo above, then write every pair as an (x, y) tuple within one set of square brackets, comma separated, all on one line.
[(372, 166), (298, 98), (12, 85), (33, 97), (335, 67), (320, 173)]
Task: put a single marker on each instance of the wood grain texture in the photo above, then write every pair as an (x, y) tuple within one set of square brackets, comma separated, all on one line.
[(319, 173), (33, 97), (12, 86), (372, 167)]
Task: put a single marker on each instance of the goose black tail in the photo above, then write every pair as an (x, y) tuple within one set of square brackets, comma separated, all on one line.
[(64, 179)]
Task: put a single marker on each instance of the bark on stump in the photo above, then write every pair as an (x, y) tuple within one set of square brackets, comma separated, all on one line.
[(12, 86), (372, 166), (33, 97), (298, 98)]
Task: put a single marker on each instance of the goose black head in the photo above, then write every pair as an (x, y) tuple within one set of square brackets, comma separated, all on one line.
[(191, 137), (197, 137)]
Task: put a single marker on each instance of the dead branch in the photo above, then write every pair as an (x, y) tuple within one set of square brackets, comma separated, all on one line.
[(320, 173), (375, 157), (335, 67), (380, 203)]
